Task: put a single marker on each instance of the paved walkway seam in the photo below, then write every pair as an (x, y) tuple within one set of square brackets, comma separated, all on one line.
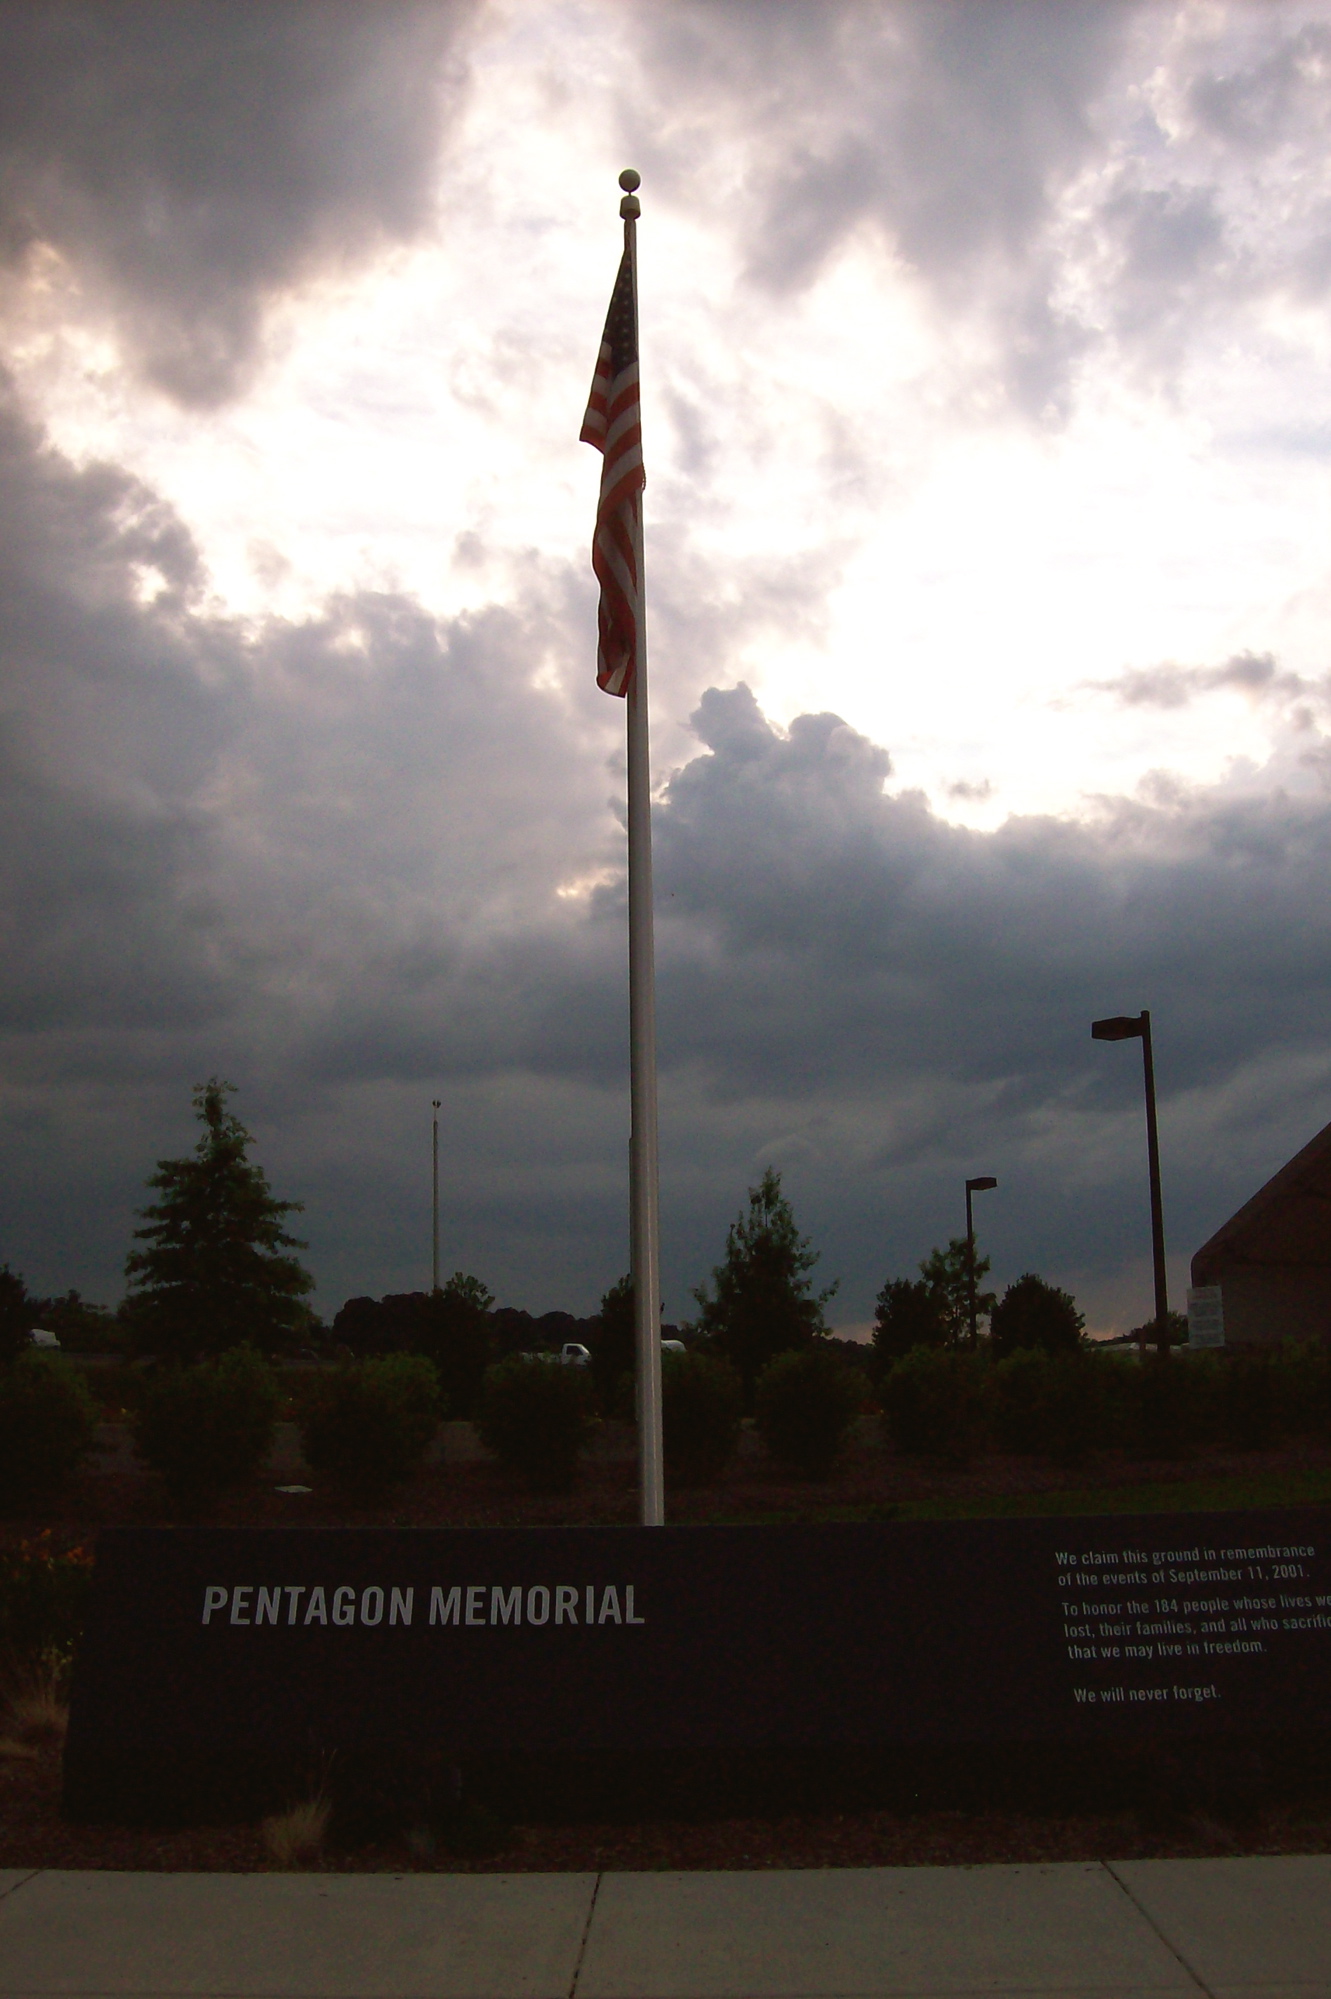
[(1168, 1942), (586, 1932)]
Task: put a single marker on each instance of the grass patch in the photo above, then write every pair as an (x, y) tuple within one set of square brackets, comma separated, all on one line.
[(1227, 1493), (1231, 1494)]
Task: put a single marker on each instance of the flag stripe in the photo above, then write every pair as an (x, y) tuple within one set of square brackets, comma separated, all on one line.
[(613, 425)]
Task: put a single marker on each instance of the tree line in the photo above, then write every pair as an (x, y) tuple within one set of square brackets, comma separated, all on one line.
[(215, 1267)]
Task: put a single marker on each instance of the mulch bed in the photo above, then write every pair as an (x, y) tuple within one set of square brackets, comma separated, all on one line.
[(872, 1483), (32, 1834)]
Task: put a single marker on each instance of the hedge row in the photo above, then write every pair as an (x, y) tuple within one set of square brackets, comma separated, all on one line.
[(952, 1404), (365, 1427)]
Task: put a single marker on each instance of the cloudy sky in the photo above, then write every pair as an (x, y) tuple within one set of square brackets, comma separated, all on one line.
[(987, 423)]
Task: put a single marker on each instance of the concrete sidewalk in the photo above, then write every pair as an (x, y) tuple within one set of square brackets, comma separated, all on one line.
[(1230, 1928)]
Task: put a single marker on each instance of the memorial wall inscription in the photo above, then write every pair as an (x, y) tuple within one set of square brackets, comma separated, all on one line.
[(1162, 1616)]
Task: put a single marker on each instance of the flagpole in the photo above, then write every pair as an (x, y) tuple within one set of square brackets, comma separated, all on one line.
[(644, 1172)]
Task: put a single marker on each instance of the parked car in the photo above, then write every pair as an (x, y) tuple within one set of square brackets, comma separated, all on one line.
[(39, 1337), (573, 1354), (673, 1346)]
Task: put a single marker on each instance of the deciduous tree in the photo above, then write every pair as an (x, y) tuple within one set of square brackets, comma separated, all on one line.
[(945, 1274), (906, 1316), (1036, 1316)]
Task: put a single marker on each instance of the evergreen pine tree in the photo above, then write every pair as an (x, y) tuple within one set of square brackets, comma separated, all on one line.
[(213, 1273), (764, 1302)]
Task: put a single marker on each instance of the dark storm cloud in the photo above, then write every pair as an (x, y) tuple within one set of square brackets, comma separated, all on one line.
[(325, 857), (897, 1002), (204, 823), (190, 161), (830, 932), (321, 857)]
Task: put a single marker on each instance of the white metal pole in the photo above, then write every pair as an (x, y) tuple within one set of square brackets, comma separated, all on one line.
[(644, 1177)]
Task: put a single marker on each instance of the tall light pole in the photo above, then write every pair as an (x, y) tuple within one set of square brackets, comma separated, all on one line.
[(1137, 1027), (979, 1186), (434, 1202)]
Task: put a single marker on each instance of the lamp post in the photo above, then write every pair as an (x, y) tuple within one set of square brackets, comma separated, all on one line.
[(434, 1192), (1137, 1027), (979, 1186)]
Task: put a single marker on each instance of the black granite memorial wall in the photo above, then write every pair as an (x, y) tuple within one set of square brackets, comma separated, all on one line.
[(222, 1667)]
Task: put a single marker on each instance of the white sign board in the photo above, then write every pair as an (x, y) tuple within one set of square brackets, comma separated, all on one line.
[(1206, 1317)]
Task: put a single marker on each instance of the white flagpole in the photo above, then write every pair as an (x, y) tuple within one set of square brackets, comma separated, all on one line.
[(644, 1172)]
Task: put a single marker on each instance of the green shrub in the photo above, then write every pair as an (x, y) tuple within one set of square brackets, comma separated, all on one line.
[(1268, 1393), (1053, 1405), (933, 1403), (1171, 1403), (806, 1403), (1305, 1390), (367, 1426), (457, 1335), (701, 1401), (614, 1356), (207, 1428), (1250, 1412), (43, 1598), (48, 1426), (534, 1415)]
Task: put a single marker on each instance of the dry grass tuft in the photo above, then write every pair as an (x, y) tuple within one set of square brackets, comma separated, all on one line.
[(36, 1706), (298, 1834)]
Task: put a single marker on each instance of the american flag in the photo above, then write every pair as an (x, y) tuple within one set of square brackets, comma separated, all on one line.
[(613, 424)]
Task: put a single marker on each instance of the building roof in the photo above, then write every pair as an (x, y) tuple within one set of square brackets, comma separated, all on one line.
[(1286, 1224)]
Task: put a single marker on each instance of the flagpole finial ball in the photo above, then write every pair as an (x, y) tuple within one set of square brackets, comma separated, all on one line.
[(629, 180)]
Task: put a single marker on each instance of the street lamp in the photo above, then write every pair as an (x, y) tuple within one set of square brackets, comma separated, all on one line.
[(434, 1189), (1137, 1027), (979, 1186)]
